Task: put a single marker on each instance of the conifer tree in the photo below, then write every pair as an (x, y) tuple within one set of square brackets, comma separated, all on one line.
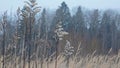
[(63, 15)]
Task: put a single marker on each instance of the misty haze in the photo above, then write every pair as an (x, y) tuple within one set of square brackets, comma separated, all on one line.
[(60, 34)]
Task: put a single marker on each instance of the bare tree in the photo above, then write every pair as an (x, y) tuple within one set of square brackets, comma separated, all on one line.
[(28, 17), (3, 24), (68, 52), (59, 33)]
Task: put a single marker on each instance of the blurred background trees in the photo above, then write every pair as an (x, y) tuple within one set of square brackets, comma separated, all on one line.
[(97, 31)]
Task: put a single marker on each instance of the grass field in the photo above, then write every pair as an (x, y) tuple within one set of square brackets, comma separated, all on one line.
[(86, 62)]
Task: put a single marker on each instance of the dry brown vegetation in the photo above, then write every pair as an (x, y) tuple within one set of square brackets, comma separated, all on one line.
[(89, 61)]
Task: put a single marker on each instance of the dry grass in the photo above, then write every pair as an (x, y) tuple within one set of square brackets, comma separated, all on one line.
[(86, 62)]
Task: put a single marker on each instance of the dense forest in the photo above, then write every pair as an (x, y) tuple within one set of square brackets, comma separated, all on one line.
[(36, 33)]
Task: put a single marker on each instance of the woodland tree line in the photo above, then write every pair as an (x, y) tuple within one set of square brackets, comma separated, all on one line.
[(31, 31)]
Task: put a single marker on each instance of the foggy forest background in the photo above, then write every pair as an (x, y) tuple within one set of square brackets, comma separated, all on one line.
[(30, 33)]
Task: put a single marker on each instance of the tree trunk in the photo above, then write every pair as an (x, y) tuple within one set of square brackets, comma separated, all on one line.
[(67, 64), (3, 53)]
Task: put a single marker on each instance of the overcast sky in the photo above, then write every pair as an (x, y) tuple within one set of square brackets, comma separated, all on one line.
[(91, 4)]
